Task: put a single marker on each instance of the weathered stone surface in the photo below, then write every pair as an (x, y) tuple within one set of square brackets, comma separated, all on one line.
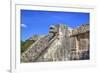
[(72, 43), (35, 49), (84, 43), (80, 30), (58, 50), (61, 44)]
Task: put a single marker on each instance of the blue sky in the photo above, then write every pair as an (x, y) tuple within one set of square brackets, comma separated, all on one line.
[(35, 22)]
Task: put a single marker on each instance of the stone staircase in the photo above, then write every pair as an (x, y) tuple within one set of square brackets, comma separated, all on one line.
[(35, 50), (57, 50), (51, 47)]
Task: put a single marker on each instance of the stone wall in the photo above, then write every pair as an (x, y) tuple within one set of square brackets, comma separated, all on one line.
[(80, 43)]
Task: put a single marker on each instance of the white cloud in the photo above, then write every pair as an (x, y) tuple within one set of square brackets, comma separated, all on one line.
[(23, 25)]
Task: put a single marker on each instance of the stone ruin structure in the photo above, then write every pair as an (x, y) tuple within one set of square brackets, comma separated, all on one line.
[(60, 44), (80, 39)]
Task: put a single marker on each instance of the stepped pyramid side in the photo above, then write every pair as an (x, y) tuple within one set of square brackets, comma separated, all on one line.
[(58, 50), (61, 44)]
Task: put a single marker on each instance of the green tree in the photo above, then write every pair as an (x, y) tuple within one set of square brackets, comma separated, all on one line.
[(26, 44)]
